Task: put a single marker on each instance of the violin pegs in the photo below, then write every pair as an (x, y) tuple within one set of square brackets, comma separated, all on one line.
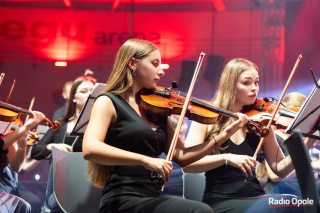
[(266, 99), (174, 84)]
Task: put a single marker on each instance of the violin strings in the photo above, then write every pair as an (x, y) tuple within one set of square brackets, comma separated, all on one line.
[(183, 94)]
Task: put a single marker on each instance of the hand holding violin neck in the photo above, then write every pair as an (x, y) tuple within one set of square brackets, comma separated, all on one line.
[(10, 113)]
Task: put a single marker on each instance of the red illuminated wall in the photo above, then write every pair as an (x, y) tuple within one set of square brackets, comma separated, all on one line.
[(31, 40), (303, 34)]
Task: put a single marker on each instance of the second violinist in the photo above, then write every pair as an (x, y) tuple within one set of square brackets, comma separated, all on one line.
[(231, 183)]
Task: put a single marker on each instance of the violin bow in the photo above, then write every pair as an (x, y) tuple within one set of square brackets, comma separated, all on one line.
[(30, 108), (278, 105), (1, 78), (14, 82), (184, 109)]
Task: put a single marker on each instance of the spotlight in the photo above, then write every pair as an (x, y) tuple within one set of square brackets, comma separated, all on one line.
[(164, 66), (37, 177), (60, 64)]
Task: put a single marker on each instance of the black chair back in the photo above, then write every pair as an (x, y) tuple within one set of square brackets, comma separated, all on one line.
[(302, 164)]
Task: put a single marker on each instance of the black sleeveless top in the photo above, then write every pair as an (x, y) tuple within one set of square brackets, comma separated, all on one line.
[(226, 182), (130, 132)]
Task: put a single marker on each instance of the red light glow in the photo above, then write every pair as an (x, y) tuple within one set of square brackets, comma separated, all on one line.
[(219, 5), (164, 66), (61, 64), (67, 3), (62, 51), (116, 4)]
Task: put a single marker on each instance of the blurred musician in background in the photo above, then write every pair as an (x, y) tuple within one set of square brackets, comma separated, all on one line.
[(12, 158), (274, 183), (60, 112), (79, 93)]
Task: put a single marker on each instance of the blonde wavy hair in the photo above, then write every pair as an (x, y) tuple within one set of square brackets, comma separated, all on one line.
[(119, 82), (294, 99), (227, 91)]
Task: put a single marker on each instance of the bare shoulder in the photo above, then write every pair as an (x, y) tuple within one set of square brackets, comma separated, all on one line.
[(196, 134), (103, 101), (103, 105)]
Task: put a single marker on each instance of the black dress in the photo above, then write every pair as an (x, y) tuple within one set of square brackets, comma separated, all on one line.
[(229, 190), (134, 188)]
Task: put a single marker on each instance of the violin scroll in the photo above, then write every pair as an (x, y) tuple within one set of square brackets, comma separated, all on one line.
[(252, 127), (260, 113), (54, 126), (10, 113)]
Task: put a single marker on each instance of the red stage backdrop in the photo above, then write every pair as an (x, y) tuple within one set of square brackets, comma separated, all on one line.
[(31, 40)]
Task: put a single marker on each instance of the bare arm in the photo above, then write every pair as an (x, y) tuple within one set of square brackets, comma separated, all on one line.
[(279, 164), (52, 138), (29, 165), (17, 155), (271, 175), (103, 114), (196, 136), (9, 139)]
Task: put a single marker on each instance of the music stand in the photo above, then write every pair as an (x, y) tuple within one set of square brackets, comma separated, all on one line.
[(308, 116), (5, 127), (84, 116)]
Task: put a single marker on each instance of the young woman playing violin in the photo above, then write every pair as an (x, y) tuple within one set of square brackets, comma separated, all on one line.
[(122, 141), (231, 183), (12, 158)]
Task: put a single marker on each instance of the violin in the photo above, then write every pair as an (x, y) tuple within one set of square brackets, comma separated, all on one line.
[(261, 113), (10, 113), (164, 101), (33, 137)]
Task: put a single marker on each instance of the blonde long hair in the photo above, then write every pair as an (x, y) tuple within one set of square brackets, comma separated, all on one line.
[(227, 91), (119, 82), (121, 79)]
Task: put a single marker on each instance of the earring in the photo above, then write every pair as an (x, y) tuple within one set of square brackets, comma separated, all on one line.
[(133, 72)]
